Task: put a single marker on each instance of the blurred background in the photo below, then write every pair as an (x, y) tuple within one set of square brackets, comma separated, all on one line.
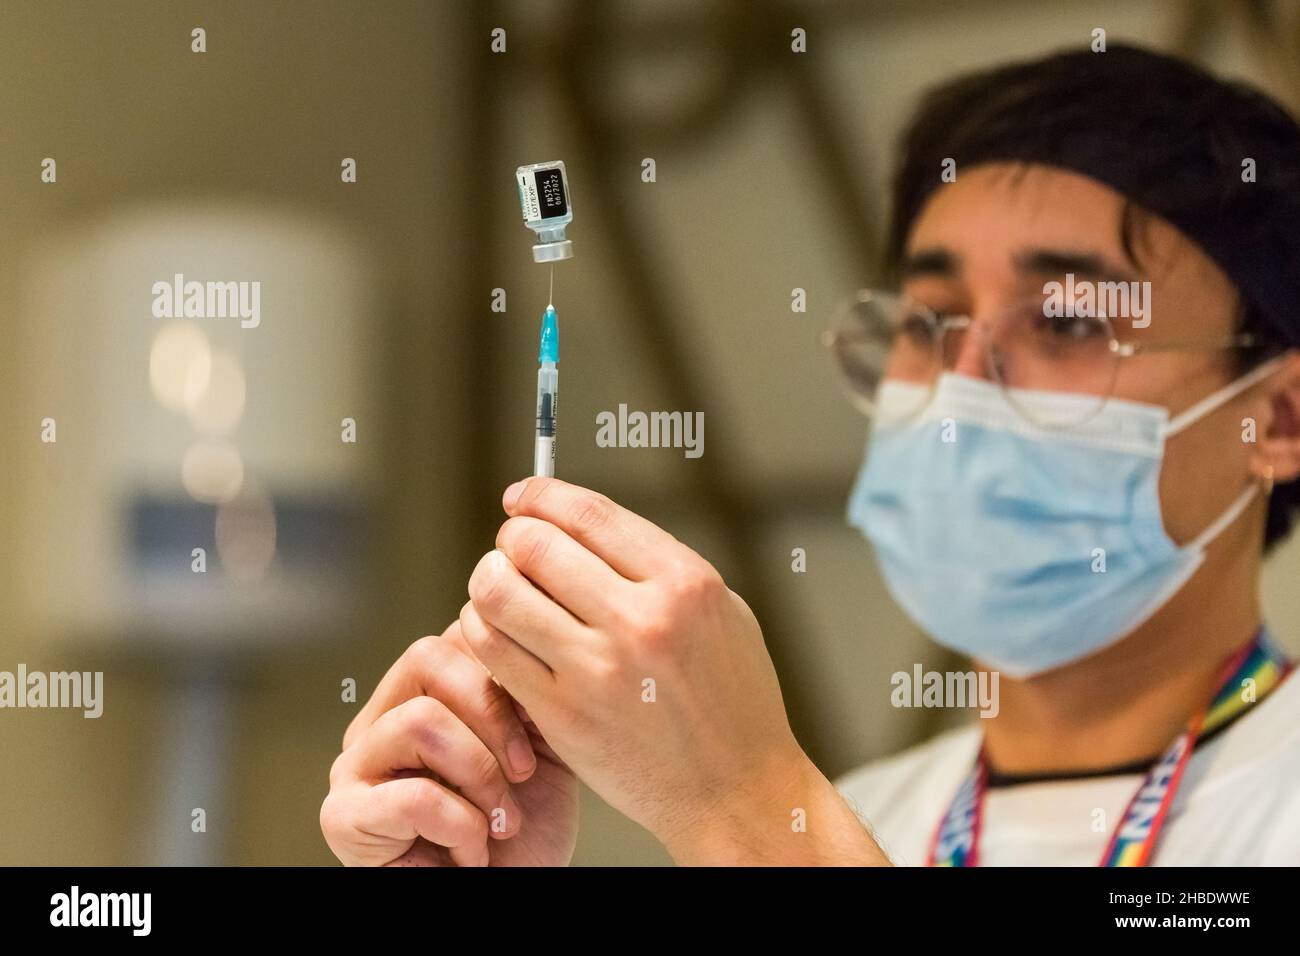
[(325, 558)]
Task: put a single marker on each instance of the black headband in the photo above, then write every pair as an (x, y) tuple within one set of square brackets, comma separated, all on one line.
[(1167, 136)]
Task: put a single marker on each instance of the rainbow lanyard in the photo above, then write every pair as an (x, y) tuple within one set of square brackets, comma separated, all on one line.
[(956, 841)]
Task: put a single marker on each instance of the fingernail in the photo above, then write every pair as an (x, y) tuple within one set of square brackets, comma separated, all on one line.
[(512, 494), (520, 754)]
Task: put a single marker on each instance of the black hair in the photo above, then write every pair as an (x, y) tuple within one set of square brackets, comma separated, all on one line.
[(1169, 137)]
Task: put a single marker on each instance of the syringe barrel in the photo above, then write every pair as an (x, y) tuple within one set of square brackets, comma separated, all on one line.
[(548, 387)]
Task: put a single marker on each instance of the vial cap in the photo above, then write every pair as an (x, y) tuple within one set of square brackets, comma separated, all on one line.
[(553, 251)]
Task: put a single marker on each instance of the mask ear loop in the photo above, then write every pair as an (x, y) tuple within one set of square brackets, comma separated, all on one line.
[(1210, 402), (1200, 410), (1220, 523)]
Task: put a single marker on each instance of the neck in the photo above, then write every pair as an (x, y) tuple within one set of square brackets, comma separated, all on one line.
[(1127, 702)]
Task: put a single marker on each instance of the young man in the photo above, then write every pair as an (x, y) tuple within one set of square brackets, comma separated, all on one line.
[(1072, 485)]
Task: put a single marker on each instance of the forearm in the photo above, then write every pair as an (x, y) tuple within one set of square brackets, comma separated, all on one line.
[(796, 819)]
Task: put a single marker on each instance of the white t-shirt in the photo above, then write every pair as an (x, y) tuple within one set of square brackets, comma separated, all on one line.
[(1238, 803)]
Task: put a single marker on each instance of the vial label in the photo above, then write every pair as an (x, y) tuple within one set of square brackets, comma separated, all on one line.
[(541, 193), (550, 189)]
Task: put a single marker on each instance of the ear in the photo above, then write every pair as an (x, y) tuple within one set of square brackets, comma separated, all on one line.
[(1278, 439)]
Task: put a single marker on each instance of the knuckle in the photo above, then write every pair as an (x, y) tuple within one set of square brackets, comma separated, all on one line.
[(483, 641), (335, 821), (411, 800), (425, 656), (337, 772), (605, 672), (427, 721), (490, 589), (656, 630), (624, 617), (528, 543), (592, 513), (417, 647), (693, 581)]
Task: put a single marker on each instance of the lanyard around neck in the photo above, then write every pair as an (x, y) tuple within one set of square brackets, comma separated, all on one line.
[(956, 840)]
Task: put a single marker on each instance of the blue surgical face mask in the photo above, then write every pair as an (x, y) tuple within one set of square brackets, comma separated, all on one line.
[(1025, 547)]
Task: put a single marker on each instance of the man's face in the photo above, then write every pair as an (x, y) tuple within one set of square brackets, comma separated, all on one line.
[(1001, 232)]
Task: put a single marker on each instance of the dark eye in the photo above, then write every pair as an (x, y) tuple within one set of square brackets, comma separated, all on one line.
[(1067, 328)]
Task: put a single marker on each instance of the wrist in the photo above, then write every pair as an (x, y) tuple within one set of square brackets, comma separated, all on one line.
[(783, 813)]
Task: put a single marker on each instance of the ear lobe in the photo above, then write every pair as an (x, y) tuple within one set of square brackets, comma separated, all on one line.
[(1277, 454)]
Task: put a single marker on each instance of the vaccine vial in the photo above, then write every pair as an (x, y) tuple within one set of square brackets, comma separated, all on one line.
[(544, 198)]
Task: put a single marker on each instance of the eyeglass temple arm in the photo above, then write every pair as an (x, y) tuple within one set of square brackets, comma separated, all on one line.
[(1128, 349)]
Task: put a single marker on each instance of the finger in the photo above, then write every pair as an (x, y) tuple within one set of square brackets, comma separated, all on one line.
[(528, 680), (423, 853), (628, 543), (413, 674), (510, 602), (574, 577), (400, 811), (424, 733), (444, 667)]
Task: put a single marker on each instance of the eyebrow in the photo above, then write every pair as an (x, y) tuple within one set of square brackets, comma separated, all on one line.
[(1056, 262), (931, 262), (942, 263)]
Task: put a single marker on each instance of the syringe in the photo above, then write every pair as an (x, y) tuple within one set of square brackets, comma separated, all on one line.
[(548, 387)]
